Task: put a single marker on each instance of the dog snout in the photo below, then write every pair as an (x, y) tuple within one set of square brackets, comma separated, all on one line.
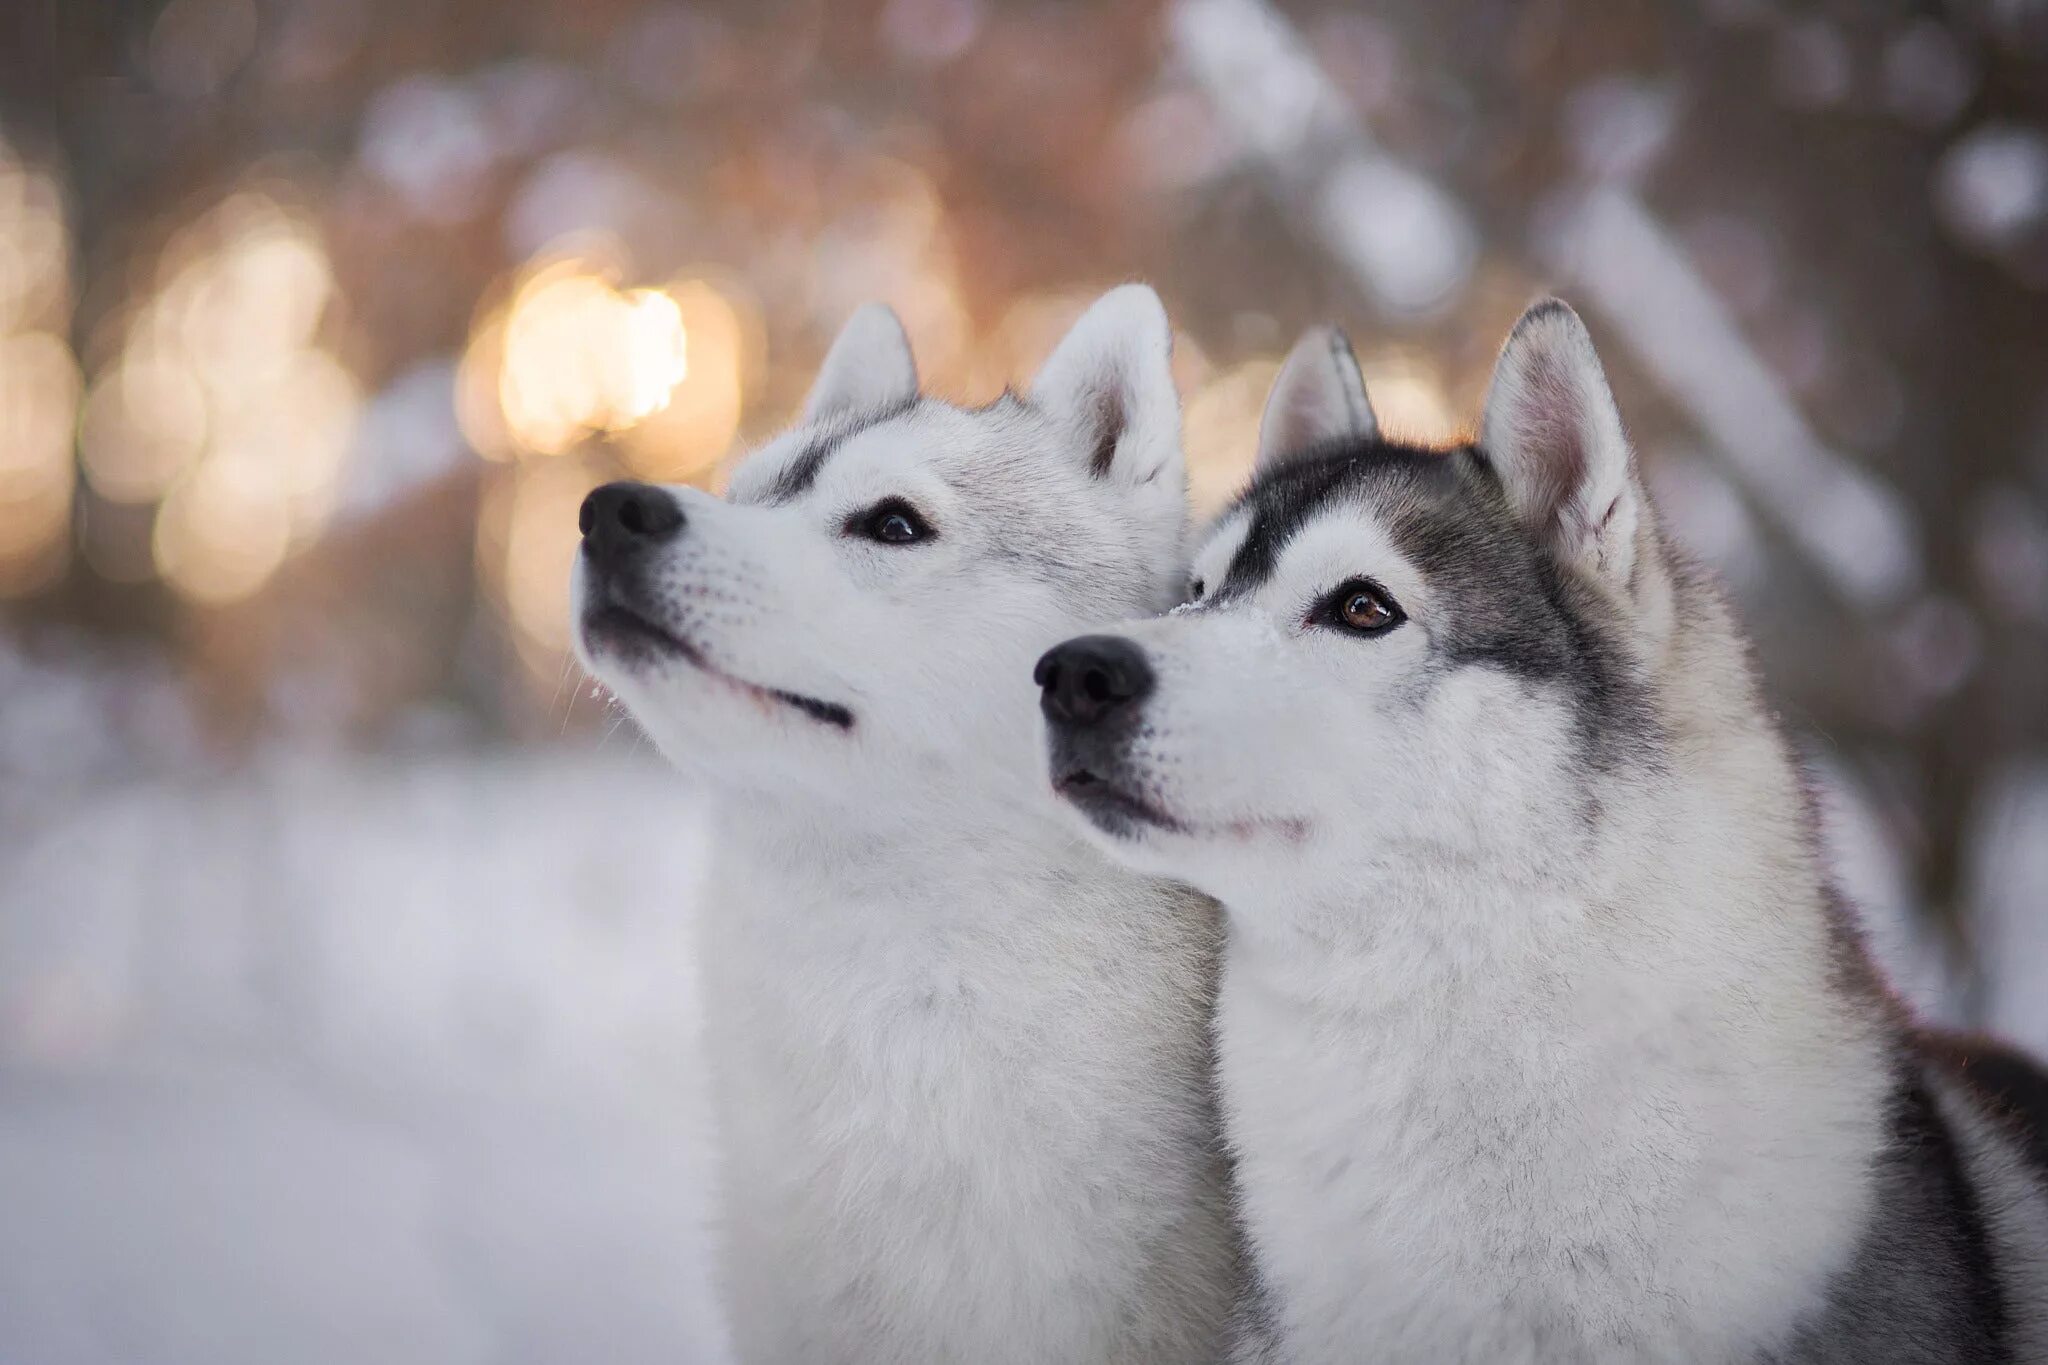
[(620, 520), (1086, 681)]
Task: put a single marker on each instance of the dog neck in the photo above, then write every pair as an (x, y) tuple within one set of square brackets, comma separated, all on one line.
[(1594, 1071), (947, 847)]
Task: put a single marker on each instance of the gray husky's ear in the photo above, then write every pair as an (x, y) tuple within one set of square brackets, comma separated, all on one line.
[(868, 368), (1318, 396), (1110, 382), (1554, 435)]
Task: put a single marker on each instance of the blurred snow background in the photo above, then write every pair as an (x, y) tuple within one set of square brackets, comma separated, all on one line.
[(384, 1061), (345, 981)]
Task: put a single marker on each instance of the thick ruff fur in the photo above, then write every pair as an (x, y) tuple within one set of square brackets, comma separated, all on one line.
[(1541, 1038), (961, 1061)]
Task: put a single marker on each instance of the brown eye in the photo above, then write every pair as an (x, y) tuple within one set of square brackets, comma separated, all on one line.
[(1362, 608)]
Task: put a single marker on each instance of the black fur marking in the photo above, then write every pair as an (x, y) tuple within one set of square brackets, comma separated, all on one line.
[(2010, 1087), (1923, 1285), (830, 712), (1357, 407), (801, 473), (1509, 604)]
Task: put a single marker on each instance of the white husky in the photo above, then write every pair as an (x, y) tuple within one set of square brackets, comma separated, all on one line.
[(960, 1060), (1540, 1036)]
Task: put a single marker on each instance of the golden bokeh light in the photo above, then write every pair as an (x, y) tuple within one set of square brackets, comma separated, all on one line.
[(220, 535), (241, 310), (293, 437), (526, 545), (477, 411), (695, 428), (577, 356), (1408, 397), (39, 380), (942, 335), (656, 355), (220, 402), (35, 255), (39, 386), (144, 424), (1221, 422), (569, 374)]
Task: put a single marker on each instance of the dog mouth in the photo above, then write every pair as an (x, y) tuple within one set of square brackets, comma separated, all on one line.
[(611, 628), (1112, 808), (1115, 809)]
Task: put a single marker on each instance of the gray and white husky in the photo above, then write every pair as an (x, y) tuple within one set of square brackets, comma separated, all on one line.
[(960, 1060), (1541, 1038)]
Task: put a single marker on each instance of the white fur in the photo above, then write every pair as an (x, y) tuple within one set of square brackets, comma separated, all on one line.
[(960, 1062), (1507, 1082)]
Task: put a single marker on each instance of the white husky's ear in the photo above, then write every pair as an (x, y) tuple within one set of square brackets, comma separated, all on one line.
[(1554, 435), (868, 367), (1318, 396), (1110, 382)]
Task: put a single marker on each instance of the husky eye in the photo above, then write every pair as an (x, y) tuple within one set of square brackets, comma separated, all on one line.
[(1196, 587), (891, 521), (1361, 607)]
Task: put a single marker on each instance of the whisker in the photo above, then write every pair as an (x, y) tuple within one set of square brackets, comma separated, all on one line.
[(568, 663)]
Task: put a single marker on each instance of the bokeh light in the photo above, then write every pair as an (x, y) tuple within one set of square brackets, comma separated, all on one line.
[(220, 534), (39, 380), (1221, 420), (35, 257), (689, 433), (144, 424), (525, 545), (221, 401), (1408, 397), (38, 398), (575, 378), (574, 356)]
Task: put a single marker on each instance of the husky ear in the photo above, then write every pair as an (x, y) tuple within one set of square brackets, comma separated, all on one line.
[(1554, 436), (869, 367), (1318, 396), (1110, 382)]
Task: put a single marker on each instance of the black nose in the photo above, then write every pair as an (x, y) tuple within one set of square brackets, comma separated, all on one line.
[(621, 518), (1086, 681)]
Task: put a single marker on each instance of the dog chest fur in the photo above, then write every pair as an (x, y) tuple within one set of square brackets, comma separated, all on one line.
[(964, 1118)]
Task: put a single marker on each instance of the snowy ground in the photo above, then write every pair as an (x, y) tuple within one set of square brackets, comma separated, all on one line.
[(332, 1064), (345, 1062)]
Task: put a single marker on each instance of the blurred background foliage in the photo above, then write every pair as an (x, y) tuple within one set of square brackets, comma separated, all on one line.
[(318, 317)]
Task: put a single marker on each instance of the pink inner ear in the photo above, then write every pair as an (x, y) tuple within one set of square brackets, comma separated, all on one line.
[(1302, 417), (1550, 421)]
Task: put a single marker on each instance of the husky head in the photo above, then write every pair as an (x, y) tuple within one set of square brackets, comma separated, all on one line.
[(867, 600), (1386, 649)]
